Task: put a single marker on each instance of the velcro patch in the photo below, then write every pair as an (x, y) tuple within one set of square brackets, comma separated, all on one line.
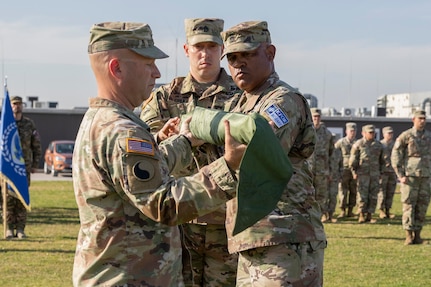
[(277, 115), (139, 146)]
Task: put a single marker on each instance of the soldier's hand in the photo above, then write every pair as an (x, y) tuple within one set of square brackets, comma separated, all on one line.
[(233, 150), (169, 129), (185, 131)]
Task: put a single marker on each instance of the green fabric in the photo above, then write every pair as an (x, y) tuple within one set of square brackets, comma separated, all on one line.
[(265, 169)]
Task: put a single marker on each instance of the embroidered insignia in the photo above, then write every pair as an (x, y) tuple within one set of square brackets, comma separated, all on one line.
[(143, 170), (277, 115), (139, 146)]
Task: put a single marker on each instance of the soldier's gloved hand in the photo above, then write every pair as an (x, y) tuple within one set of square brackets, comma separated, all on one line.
[(169, 129), (233, 150), (185, 131)]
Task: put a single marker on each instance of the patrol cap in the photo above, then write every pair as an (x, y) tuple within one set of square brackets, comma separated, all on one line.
[(200, 30), (246, 36), (351, 126), (136, 37), (16, 99), (419, 114), (368, 128), (387, 130), (315, 112)]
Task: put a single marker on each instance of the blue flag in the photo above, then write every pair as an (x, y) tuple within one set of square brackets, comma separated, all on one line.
[(12, 164)]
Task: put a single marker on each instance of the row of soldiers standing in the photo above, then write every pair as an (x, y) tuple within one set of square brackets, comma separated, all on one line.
[(364, 173)]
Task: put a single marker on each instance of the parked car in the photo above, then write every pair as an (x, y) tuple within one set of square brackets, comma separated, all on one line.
[(58, 157)]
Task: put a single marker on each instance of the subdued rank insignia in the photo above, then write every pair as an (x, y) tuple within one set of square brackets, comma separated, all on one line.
[(143, 170), (139, 146), (277, 115)]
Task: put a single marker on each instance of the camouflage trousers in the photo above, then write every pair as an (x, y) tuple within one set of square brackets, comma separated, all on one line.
[(367, 190), (320, 183), (388, 184), (16, 213), (282, 265), (347, 192), (415, 196), (333, 191), (206, 260)]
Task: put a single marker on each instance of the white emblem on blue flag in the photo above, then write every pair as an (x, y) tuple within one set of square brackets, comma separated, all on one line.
[(277, 115)]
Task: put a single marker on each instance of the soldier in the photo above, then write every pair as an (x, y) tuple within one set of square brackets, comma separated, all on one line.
[(206, 260), (336, 168), (388, 183), (411, 160), (319, 162), (285, 248), (367, 163), (31, 148), (128, 204), (347, 192)]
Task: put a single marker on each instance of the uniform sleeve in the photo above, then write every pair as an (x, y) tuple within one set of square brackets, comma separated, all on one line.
[(143, 176), (354, 158), (398, 155), (151, 111)]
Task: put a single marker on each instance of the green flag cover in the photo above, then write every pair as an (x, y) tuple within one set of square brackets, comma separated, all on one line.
[(265, 169)]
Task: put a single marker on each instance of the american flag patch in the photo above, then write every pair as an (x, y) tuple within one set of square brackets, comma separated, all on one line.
[(140, 146)]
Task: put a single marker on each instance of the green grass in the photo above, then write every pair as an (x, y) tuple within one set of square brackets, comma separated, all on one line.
[(357, 254)]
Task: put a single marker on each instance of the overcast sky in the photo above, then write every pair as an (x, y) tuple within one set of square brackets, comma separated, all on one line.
[(346, 53)]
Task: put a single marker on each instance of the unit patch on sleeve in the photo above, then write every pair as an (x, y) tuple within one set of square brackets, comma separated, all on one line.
[(277, 115), (139, 146)]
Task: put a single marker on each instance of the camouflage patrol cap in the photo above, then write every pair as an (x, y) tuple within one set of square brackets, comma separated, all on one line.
[(200, 30), (351, 126), (136, 37), (368, 128), (419, 114), (16, 99), (387, 130), (315, 112), (246, 36)]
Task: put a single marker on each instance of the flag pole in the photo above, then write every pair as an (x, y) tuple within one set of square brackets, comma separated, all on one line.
[(4, 211)]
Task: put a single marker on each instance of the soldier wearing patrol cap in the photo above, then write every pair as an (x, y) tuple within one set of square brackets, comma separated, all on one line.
[(319, 163), (129, 205), (411, 160), (388, 181), (32, 151), (347, 192), (206, 260), (367, 163), (293, 228)]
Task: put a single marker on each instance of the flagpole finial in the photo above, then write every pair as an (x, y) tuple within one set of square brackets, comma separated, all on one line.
[(5, 81)]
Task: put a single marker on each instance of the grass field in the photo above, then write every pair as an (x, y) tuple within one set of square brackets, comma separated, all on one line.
[(357, 255)]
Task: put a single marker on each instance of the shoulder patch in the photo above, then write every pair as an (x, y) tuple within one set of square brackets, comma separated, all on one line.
[(139, 146), (277, 115)]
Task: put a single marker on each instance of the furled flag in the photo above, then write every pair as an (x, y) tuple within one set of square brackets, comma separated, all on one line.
[(12, 164)]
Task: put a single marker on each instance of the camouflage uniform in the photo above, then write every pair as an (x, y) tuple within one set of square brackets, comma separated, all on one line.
[(294, 227), (128, 203), (367, 162), (388, 182), (336, 163), (347, 192), (206, 260), (320, 167), (32, 151), (411, 158)]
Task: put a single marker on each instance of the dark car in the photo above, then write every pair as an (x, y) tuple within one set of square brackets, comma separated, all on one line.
[(58, 157)]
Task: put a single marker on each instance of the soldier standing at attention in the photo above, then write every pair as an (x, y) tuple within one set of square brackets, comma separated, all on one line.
[(286, 247), (411, 160), (319, 162), (388, 183), (347, 193), (336, 164), (129, 206), (206, 260), (32, 151), (367, 163)]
